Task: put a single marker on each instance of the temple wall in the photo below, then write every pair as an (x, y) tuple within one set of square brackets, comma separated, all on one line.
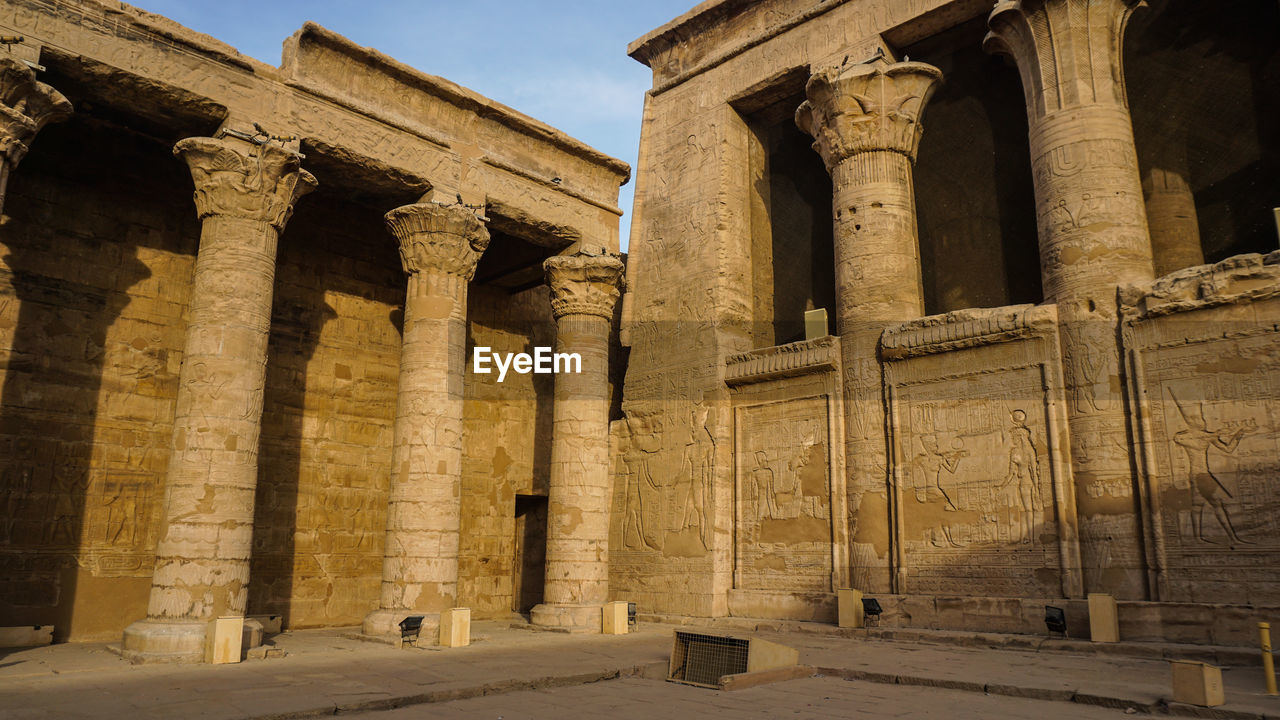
[(690, 283), (506, 446), (1202, 343), (98, 251), (325, 455), (1043, 451)]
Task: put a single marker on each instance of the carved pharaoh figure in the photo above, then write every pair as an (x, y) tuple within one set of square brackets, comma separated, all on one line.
[(1207, 489)]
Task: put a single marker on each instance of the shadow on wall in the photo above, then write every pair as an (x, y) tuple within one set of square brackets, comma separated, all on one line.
[(97, 284), (1204, 91), (325, 450)]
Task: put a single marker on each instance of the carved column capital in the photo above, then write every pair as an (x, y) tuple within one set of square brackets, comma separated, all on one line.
[(871, 106), (436, 237), (26, 106), (240, 179), (584, 284), (1069, 52)]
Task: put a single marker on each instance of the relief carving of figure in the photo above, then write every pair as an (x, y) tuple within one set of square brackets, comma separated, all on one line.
[(1085, 365), (933, 462), (699, 459), (1060, 218), (641, 441), (1024, 470), (1207, 489), (762, 481)]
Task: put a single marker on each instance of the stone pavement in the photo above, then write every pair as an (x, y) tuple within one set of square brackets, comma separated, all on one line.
[(537, 674), (808, 699)]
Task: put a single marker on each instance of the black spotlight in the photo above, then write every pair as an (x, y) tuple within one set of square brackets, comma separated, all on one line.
[(410, 627), (1055, 618), (631, 616), (871, 611)]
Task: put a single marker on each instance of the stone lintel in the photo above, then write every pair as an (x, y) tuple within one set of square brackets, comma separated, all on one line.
[(781, 361), (1241, 278), (868, 107), (966, 329)]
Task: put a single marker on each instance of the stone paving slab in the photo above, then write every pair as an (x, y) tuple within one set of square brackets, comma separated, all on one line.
[(326, 673)]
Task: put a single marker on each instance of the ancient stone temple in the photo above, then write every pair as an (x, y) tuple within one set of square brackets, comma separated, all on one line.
[(245, 309), (261, 402), (1041, 229)]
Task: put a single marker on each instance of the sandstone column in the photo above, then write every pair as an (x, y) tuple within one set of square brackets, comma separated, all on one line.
[(244, 196), (865, 120), (26, 106), (584, 290), (439, 248), (1171, 215), (1093, 237)]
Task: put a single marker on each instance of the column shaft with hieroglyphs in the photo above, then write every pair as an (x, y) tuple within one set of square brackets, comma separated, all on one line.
[(439, 248), (1093, 237), (866, 123), (244, 195), (26, 106), (584, 291)]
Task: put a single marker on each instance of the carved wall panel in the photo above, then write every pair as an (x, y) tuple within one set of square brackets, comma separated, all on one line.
[(1204, 348), (783, 531), (982, 494), (790, 517), (325, 459)]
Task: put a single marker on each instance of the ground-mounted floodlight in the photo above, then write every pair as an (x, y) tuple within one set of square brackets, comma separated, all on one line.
[(631, 616), (871, 611), (1055, 618), (410, 627)]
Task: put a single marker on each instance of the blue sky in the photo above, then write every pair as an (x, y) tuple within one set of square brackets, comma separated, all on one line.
[(562, 61)]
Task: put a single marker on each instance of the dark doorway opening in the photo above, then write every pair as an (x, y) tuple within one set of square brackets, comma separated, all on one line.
[(530, 561)]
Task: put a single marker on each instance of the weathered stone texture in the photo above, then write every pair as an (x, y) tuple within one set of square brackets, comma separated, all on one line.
[(584, 293)]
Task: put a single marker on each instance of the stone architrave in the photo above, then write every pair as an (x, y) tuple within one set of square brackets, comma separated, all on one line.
[(865, 120), (439, 248), (244, 196), (1093, 238), (26, 106), (584, 291)]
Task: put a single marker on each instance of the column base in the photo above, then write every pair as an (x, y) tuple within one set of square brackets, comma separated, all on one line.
[(385, 624), (164, 641), (568, 618)]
